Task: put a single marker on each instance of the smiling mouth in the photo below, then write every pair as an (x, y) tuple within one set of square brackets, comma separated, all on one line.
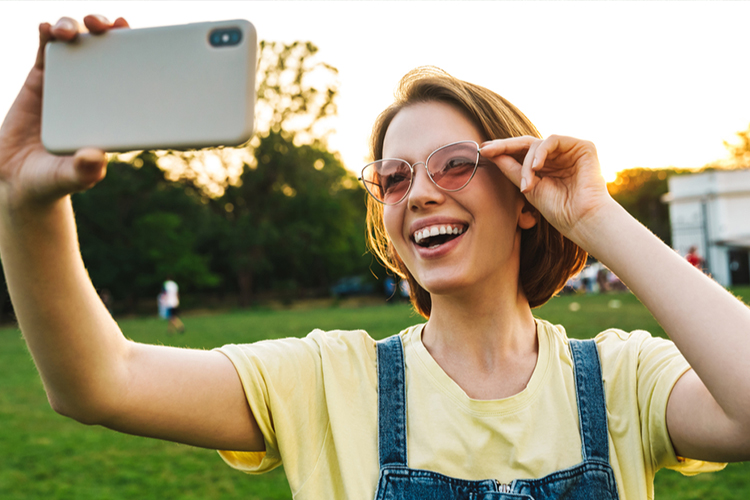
[(434, 236)]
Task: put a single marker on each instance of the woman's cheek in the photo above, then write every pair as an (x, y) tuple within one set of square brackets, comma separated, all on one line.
[(392, 223)]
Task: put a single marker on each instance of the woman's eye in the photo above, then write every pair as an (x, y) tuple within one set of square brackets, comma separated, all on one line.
[(457, 163), (393, 181)]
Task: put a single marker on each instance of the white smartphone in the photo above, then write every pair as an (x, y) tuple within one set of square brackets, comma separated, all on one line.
[(172, 87)]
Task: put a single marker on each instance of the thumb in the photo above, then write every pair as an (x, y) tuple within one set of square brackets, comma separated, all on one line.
[(89, 167), (510, 168)]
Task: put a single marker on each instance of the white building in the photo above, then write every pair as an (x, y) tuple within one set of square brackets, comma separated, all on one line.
[(711, 210)]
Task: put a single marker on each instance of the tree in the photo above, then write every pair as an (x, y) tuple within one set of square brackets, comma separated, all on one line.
[(136, 228), (639, 191), (739, 152), (296, 219), (290, 217)]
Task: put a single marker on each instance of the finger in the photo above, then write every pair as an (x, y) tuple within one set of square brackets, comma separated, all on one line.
[(527, 174), (548, 145), (45, 35), (510, 167), (65, 29), (96, 23), (120, 23), (89, 167), (510, 146)]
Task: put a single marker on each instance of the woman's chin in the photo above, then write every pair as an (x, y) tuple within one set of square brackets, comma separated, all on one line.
[(443, 285)]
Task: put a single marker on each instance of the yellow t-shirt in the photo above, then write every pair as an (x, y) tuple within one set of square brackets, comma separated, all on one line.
[(315, 400)]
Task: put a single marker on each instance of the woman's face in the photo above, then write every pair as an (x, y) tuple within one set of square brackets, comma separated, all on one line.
[(487, 212)]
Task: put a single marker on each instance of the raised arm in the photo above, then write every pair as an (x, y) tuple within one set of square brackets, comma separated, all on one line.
[(90, 371), (708, 414)]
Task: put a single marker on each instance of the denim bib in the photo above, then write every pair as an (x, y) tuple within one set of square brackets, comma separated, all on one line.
[(592, 479)]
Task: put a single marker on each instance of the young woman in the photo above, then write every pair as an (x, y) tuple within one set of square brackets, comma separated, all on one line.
[(486, 220)]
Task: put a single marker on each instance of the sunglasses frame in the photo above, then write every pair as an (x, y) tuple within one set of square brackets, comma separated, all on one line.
[(424, 164)]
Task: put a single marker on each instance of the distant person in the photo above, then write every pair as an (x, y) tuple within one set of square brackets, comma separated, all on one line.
[(172, 306), (486, 221), (693, 257), (588, 277), (161, 303)]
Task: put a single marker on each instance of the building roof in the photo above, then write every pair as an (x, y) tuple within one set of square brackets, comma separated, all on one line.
[(713, 183)]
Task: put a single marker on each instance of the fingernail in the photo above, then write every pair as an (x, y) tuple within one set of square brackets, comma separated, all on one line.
[(64, 24), (536, 162), (101, 18), (523, 184)]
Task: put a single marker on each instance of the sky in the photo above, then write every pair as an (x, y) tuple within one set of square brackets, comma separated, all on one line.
[(652, 84)]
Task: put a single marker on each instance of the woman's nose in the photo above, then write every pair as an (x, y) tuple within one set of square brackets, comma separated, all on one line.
[(423, 191)]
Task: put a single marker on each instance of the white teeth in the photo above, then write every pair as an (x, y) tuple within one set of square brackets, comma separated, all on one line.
[(435, 231)]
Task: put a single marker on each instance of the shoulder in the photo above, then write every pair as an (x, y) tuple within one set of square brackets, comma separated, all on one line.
[(628, 357), (318, 344), (638, 365), (339, 345), (637, 349)]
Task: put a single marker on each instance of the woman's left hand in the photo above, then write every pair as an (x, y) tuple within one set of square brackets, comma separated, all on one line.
[(560, 176)]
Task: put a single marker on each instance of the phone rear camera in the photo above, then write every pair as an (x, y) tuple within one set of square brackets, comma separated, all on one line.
[(225, 37)]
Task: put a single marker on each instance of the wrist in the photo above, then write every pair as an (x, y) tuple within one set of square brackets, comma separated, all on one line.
[(20, 214), (591, 230)]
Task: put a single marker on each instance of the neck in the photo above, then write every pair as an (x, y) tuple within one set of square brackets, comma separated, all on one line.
[(484, 330)]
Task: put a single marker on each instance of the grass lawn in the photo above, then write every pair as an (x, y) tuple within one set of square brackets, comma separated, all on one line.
[(43, 455)]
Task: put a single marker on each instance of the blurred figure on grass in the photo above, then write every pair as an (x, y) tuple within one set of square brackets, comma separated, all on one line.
[(169, 306), (693, 257)]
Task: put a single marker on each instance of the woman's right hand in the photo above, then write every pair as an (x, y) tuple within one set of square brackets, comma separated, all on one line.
[(29, 175)]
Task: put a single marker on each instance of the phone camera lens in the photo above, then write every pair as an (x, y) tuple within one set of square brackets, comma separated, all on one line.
[(223, 37)]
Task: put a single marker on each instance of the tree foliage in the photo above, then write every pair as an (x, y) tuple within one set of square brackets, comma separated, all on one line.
[(296, 93), (739, 152), (295, 220), (136, 228), (639, 191)]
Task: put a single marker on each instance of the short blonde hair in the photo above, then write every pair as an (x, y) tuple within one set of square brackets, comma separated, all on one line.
[(548, 259)]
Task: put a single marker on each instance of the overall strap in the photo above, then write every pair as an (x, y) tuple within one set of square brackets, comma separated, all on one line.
[(592, 409), (391, 402)]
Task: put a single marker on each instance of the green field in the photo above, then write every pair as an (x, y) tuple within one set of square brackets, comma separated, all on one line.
[(44, 455)]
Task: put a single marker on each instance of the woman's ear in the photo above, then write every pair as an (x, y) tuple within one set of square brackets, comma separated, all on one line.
[(529, 216)]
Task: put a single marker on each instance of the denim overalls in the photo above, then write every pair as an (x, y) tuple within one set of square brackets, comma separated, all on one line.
[(591, 479)]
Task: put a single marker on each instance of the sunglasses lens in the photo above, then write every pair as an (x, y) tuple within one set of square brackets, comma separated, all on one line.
[(387, 180), (453, 166)]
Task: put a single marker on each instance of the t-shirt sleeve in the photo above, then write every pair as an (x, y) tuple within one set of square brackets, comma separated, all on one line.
[(282, 380), (656, 365)]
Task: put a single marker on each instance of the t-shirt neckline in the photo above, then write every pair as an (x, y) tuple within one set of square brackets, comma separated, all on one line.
[(426, 365)]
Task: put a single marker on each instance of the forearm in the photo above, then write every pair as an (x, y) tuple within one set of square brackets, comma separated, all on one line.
[(708, 325), (75, 343)]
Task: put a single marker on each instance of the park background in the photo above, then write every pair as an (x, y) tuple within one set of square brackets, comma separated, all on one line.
[(260, 235)]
